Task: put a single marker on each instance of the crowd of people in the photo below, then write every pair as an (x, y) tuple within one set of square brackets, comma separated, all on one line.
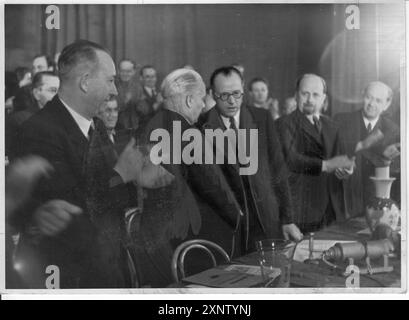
[(83, 134)]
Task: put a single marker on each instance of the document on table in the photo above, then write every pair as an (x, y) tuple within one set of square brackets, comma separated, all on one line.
[(231, 276)]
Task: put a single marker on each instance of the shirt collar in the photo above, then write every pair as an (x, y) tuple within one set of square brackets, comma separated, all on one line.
[(83, 123), (226, 120), (372, 122), (150, 91), (310, 117)]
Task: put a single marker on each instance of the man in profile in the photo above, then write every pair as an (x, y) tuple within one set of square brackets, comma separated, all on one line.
[(88, 247), (199, 199)]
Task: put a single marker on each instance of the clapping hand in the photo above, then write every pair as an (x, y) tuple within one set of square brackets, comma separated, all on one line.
[(134, 164)]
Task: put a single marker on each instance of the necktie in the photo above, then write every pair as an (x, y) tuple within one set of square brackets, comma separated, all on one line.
[(369, 127), (317, 124), (233, 124), (91, 131)]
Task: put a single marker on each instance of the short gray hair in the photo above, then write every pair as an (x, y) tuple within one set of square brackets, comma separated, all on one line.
[(181, 82), (388, 89)]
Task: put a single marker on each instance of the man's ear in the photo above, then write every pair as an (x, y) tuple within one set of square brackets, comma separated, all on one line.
[(84, 82), (189, 101), (36, 94)]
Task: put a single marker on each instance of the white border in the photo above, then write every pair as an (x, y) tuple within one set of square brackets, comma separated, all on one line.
[(217, 294)]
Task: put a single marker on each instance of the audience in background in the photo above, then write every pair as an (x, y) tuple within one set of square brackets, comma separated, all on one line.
[(24, 96), (290, 104), (44, 87)]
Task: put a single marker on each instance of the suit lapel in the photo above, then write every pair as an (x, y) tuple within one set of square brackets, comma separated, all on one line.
[(214, 121), (78, 141), (308, 127)]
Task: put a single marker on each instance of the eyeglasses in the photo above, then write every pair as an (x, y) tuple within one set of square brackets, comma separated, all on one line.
[(226, 95)]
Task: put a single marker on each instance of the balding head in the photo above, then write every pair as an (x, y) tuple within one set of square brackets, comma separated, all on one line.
[(183, 91), (377, 98)]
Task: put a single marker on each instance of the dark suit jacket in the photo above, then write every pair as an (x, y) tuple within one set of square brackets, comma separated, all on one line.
[(89, 252), (267, 196), (13, 125), (359, 188), (313, 191), (181, 210)]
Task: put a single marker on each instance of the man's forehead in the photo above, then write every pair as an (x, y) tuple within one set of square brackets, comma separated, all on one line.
[(50, 80), (378, 89), (230, 80), (126, 65), (149, 71), (112, 104), (312, 82), (40, 60)]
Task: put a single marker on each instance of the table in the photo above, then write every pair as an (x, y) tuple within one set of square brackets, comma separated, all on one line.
[(321, 276)]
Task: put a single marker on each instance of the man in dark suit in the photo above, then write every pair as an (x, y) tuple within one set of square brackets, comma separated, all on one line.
[(88, 248), (264, 196), (199, 192), (355, 127), (310, 144)]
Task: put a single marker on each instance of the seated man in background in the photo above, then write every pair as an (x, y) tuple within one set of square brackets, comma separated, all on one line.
[(24, 97), (108, 113), (199, 198), (311, 148), (44, 87), (355, 127)]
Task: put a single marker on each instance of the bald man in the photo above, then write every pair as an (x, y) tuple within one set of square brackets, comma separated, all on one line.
[(354, 127), (311, 150)]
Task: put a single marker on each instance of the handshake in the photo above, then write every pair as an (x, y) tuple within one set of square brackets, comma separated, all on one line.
[(342, 165)]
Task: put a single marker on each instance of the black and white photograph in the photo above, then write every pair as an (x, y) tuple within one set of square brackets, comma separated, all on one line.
[(189, 148)]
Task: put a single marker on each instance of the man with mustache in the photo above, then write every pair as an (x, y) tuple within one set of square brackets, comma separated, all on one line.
[(311, 147)]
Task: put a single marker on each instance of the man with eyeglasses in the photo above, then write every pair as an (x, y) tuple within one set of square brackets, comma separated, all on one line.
[(265, 195)]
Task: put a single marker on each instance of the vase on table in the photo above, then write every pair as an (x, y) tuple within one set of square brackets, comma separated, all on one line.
[(381, 210)]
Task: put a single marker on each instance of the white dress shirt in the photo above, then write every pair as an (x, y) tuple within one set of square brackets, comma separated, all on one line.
[(236, 118), (372, 122), (83, 123)]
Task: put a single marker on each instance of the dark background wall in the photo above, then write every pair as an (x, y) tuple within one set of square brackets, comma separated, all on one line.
[(275, 41)]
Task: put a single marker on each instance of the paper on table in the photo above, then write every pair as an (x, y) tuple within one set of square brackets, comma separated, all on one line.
[(302, 252)]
